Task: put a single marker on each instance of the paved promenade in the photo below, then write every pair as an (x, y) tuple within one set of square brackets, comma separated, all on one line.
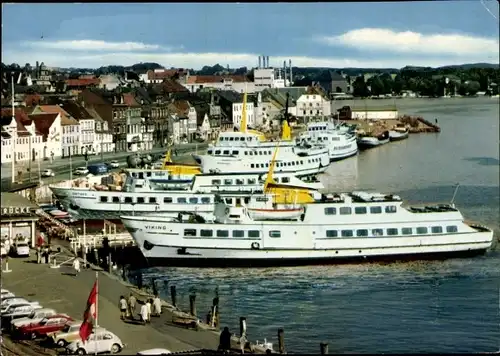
[(59, 289)]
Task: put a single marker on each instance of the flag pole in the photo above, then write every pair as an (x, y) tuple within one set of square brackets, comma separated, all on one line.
[(96, 306)]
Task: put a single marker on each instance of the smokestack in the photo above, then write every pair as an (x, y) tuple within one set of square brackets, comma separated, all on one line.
[(267, 62), (259, 63), (290, 70), (284, 71), (263, 61)]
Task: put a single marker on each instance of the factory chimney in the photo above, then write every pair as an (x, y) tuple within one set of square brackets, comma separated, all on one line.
[(284, 71), (267, 62), (290, 71), (259, 63), (263, 61)]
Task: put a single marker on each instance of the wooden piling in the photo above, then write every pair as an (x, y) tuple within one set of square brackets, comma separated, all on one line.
[(192, 304), (243, 326), (153, 283), (110, 264), (324, 348), (281, 341), (173, 294), (215, 311)]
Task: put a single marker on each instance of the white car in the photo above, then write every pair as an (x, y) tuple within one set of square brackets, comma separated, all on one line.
[(8, 301), (81, 171), (99, 342), (154, 352), (21, 249), (48, 173), (35, 317), (114, 164), (19, 310), (7, 295)]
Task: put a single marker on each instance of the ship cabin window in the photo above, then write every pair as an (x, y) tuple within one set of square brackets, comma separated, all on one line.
[(345, 210), (231, 138), (228, 181), (332, 233), (246, 200), (377, 232), (253, 233), (167, 200), (275, 233), (134, 174), (152, 200), (285, 180), (407, 231), (205, 200), (392, 232), (249, 139), (421, 230), (390, 209), (222, 233), (436, 229), (346, 233), (246, 153), (206, 233), (140, 200), (242, 139), (189, 232), (193, 200), (240, 181), (209, 152), (141, 175), (104, 199), (252, 165), (451, 228), (360, 210), (251, 181), (229, 201), (235, 153), (217, 152), (330, 211), (362, 233), (375, 210), (138, 185), (181, 201), (238, 233), (216, 182), (226, 152), (148, 174), (128, 200)]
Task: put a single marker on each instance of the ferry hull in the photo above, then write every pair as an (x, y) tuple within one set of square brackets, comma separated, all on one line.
[(371, 142), (202, 262), (335, 158)]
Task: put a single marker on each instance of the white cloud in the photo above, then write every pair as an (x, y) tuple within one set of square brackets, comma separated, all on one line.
[(197, 60), (92, 45), (415, 43)]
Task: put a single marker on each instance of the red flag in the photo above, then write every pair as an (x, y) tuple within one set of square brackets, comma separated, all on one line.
[(90, 314)]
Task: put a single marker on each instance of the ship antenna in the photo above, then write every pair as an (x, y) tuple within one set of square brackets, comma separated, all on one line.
[(452, 202)]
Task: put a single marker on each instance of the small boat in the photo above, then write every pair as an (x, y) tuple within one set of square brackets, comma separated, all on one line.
[(398, 134), (366, 142), (58, 213), (277, 213)]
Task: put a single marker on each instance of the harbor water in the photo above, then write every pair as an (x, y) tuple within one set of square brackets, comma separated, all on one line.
[(438, 306)]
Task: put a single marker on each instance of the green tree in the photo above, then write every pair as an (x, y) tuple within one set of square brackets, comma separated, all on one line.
[(398, 84), (376, 86), (359, 87)]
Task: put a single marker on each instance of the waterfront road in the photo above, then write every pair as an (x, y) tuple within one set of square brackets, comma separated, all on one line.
[(61, 166), (59, 289)]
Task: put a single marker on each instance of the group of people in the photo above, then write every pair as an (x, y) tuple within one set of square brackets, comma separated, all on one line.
[(43, 254), (151, 307)]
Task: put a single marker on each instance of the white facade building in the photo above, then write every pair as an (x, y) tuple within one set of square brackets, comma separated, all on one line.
[(87, 136), (49, 126), (27, 143), (238, 83), (369, 114), (204, 129), (311, 105), (70, 137), (238, 111)]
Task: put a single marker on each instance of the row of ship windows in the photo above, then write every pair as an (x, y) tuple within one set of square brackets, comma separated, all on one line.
[(329, 233), (153, 200), (250, 181), (236, 152), (223, 138), (347, 210), (422, 230), (283, 164)]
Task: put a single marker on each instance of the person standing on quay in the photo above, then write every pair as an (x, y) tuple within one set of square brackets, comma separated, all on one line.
[(157, 306), (76, 266), (148, 305), (131, 305), (123, 307), (225, 340), (144, 313)]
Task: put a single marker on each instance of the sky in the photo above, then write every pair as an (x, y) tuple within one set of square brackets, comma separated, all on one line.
[(191, 35)]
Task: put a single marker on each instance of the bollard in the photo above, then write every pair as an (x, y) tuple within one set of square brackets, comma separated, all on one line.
[(110, 265), (192, 304), (7, 270), (173, 294), (124, 273), (96, 256), (243, 326), (281, 341), (324, 348)]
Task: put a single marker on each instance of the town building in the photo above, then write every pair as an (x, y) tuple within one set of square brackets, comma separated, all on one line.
[(18, 220), (381, 113), (49, 126), (88, 142), (313, 104), (237, 83)]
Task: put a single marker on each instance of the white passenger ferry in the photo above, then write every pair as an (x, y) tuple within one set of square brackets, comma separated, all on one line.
[(156, 192), (357, 226), (341, 143)]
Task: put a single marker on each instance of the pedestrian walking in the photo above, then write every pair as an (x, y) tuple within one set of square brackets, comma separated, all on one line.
[(123, 307), (144, 313), (131, 305), (148, 305), (76, 266), (157, 306), (46, 254), (38, 255)]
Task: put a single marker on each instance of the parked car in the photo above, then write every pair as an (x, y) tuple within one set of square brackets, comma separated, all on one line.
[(8, 301), (114, 164), (70, 333), (46, 325), (17, 311), (35, 317), (6, 295), (20, 249), (100, 342), (81, 171), (48, 173)]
